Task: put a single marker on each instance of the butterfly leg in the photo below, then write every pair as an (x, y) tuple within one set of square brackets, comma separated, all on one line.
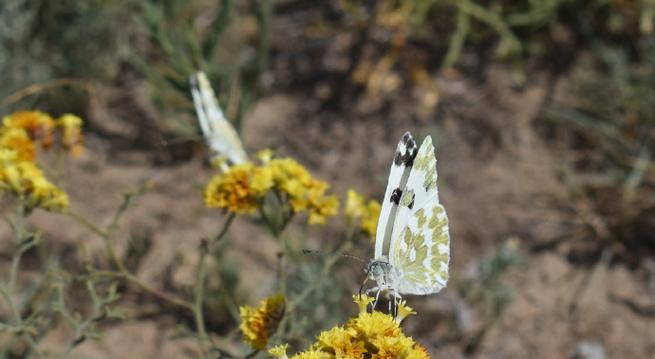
[(375, 290), (377, 297), (395, 305)]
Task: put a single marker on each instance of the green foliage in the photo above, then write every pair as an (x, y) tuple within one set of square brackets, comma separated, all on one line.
[(485, 290), (42, 41), (219, 39), (610, 119), (34, 307)]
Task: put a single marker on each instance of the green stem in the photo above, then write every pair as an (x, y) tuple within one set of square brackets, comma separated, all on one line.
[(104, 235), (85, 223), (7, 291), (199, 287), (199, 292), (131, 278)]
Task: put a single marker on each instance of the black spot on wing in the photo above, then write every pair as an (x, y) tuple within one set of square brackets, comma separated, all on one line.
[(407, 138), (395, 195), (406, 155), (398, 159), (411, 204)]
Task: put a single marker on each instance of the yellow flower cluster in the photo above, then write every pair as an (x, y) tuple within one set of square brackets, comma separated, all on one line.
[(242, 188), (367, 213), (71, 138), (370, 335), (258, 324), (19, 175)]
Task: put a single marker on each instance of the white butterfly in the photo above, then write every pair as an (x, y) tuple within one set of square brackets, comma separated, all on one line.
[(219, 134), (412, 244)]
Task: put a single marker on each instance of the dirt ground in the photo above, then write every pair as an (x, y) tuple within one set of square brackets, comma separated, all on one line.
[(499, 179)]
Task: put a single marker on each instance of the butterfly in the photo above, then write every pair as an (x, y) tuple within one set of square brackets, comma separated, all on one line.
[(412, 243), (220, 136)]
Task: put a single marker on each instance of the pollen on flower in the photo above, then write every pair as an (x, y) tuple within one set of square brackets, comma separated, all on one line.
[(258, 324)]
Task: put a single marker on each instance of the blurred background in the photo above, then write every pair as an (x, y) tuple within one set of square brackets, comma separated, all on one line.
[(542, 114)]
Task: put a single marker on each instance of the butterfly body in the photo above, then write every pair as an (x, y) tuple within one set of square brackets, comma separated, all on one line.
[(412, 247)]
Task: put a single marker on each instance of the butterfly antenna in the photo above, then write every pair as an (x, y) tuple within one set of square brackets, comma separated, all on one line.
[(361, 288), (315, 252), (353, 257)]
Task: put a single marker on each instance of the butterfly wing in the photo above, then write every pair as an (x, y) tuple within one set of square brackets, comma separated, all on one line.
[(420, 242), (400, 169), (219, 134)]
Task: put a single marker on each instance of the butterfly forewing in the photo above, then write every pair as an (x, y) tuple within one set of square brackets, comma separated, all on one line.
[(420, 242), (398, 176), (219, 134)]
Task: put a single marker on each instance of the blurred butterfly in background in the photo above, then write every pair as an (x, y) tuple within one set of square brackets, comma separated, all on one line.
[(219, 134), (412, 243)]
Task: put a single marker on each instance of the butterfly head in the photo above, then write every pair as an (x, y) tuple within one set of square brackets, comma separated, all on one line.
[(378, 270)]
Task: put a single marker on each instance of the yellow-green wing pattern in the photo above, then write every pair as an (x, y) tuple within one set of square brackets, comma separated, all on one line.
[(420, 243), (219, 134)]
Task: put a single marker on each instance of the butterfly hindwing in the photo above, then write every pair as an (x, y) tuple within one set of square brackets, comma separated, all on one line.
[(219, 134), (420, 242), (400, 169)]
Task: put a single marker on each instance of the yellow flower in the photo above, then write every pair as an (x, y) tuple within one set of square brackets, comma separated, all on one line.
[(265, 156), (47, 196), (261, 180), (279, 351), (312, 354), (18, 140), (321, 208), (72, 133), (362, 302), (19, 175), (258, 324), (369, 335), (366, 213), (25, 180), (241, 189), (39, 125), (7, 155), (418, 352), (232, 190), (403, 311), (392, 347), (370, 218), (305, 193), (376, 324), (341, 342), (354, 205)]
